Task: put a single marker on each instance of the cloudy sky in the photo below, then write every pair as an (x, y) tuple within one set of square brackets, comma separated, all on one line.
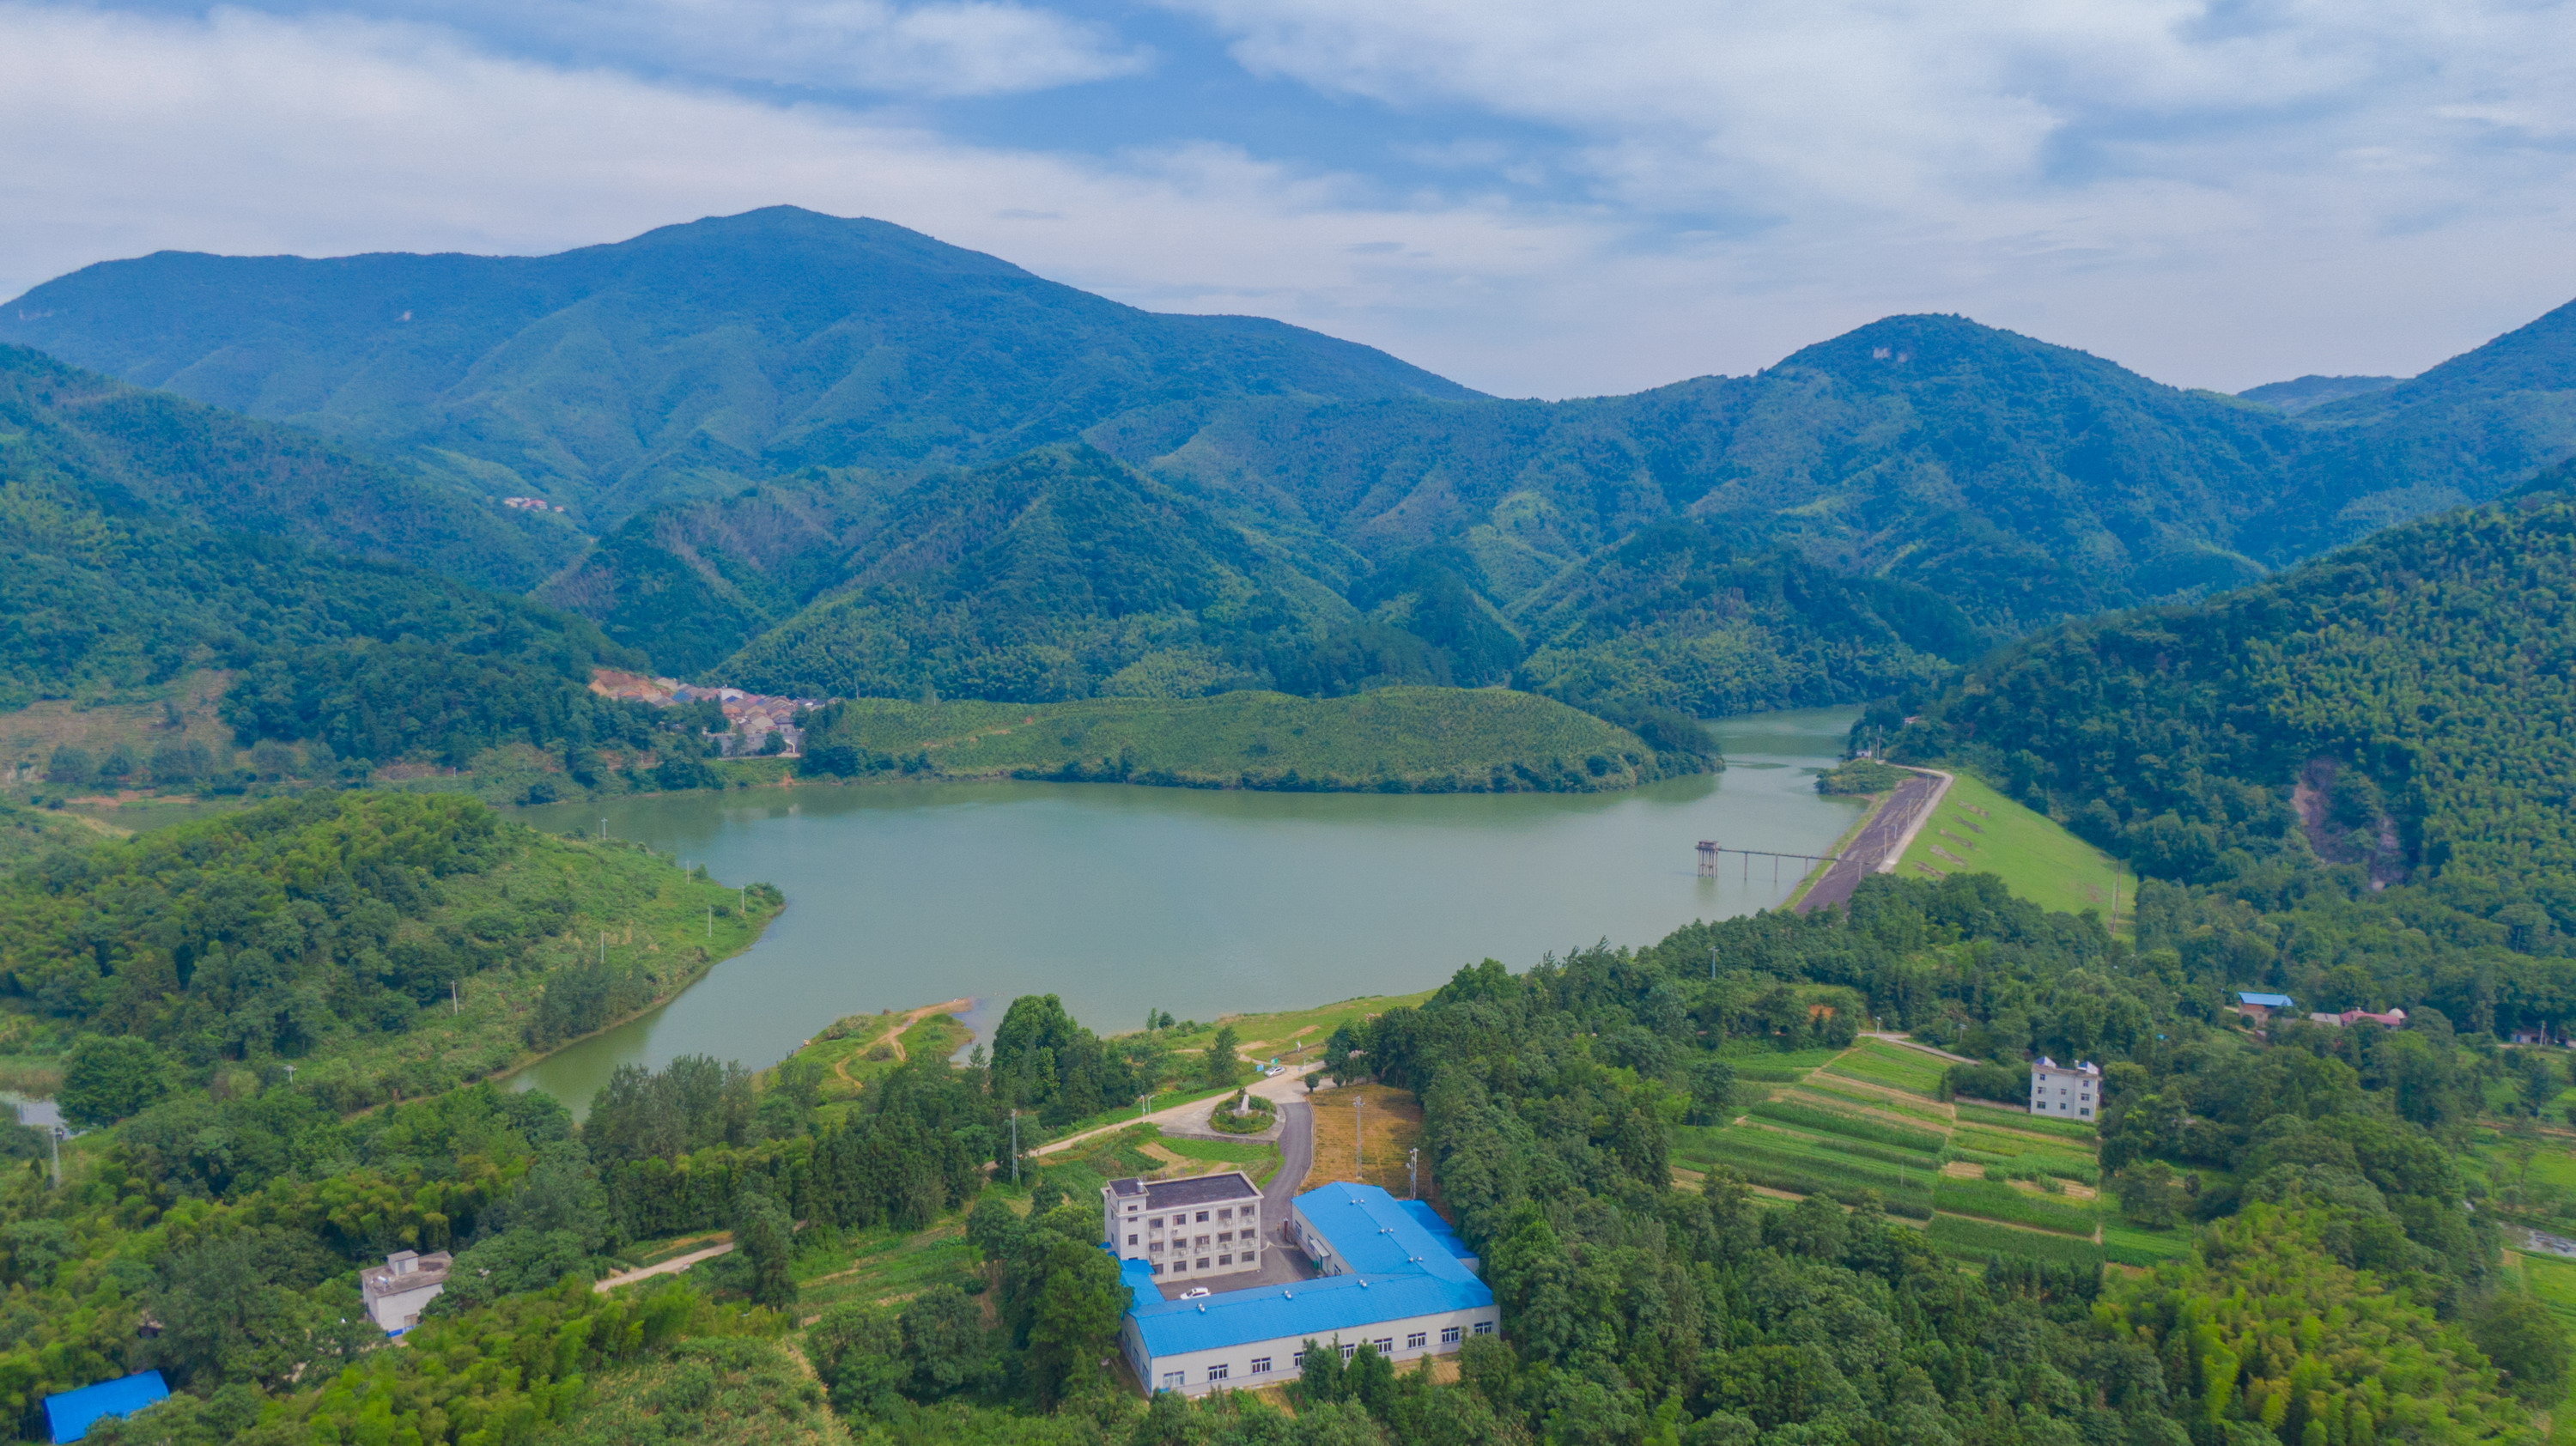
[(1534, 197)]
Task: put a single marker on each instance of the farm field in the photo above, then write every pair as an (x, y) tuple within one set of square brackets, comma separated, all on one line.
[(1984, 1181), (1978, 830)]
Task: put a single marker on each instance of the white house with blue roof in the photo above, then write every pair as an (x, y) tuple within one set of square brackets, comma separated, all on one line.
[(1395, 1276)]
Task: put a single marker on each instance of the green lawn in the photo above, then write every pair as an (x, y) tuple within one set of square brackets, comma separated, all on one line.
[(2129, 1245), (1984, 832), (1977, 1240), (1263, 1037)]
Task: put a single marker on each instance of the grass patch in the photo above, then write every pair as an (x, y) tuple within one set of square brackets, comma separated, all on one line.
[(1782, 1162), (1840, 1145), (1994, 1200), (1978, 830), (881, 1265), (1977, 1240), (1405, 739), (2552, 1281), (1887, 1064), (1262, 1037), (1392, 1122), (1751, 1054)]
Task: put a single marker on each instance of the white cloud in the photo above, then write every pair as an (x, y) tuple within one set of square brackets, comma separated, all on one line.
[(956, 48), (2302, 191)]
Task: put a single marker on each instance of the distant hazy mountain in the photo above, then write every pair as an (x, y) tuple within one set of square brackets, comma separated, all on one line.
[(681, 361), (2300, 394), (863, 436)]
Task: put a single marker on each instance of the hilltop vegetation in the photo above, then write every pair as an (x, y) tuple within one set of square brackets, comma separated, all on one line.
[(1431, 740)]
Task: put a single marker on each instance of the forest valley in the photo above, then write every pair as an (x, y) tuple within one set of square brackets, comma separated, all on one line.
[(2336, 1273)]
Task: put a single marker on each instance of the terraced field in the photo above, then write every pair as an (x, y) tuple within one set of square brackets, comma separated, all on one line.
[(1868, 1119)]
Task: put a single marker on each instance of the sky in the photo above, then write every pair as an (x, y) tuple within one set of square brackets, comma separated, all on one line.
[(1533, 197)]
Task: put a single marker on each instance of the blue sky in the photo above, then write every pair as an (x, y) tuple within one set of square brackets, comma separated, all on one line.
[(1532, 197)]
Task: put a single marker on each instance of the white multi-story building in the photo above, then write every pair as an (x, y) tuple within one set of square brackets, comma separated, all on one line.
[(1396, 1279), (1203, 1227), (2073, 1091)]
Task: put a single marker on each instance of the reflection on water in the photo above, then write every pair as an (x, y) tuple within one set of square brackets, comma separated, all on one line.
[(1123, 899)]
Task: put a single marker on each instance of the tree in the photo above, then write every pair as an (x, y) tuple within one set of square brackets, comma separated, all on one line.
[(761, 1231), (109, 1078), (70, 766), (943, 1342), (1074, 1318), (1223, 1065), (2526, 1343), (1319, 1374), (858, 1350), (2150, 1195)]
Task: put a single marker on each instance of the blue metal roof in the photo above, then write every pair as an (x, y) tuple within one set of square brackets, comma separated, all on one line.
[(1401, 1267), (2268, 1001), (70, 1415)]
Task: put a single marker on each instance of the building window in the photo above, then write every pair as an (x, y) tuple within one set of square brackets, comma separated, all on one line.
[(1416, 1341), (1202, 1217), (1385, 1345), (1158, 1267), (1203, 1262), (1225, 1214), (1217, 1372), (1156, 1222), (1180, 1265), (1173, 1380), (1223, 1236), (1225, 1260), (1156, 1247), (1260, 1366), (1297, 1360), (1131, 1239), (1448, 1335), (1484, 1327), (1349, 1351)]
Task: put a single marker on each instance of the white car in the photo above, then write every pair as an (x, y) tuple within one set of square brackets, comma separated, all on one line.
[(1276, 1069), (1195, 1292)]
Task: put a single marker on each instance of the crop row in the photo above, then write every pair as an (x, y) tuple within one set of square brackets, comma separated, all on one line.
[(1810, 1174), (1976, 1114), (1993, 1200), (1834, 1122), (1876, 1102), (1976, 1240), (1769, 1074), (2126, 1246), (1843, 1145)]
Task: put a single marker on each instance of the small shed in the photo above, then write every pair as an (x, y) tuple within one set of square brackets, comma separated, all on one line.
[(69, 1416), (2260, 1007)]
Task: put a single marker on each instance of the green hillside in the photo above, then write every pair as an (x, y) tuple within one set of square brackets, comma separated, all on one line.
[(1397, 739), (381, 943), (136, 453), (1978, 830), (1058, 574), (2402, 706)]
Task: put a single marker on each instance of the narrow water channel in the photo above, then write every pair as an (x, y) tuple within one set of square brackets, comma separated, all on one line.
[(1123, 899)]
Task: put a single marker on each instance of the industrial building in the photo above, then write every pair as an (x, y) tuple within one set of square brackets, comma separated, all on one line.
[(1395, 1277)]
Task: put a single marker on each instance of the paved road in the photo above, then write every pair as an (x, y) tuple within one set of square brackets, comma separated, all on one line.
[(1880, 841), (1282, 1263)]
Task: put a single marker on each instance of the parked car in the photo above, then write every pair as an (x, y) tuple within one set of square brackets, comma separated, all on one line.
[(1195, 1292)]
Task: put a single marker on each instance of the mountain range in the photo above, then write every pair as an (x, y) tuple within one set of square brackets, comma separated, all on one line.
[(814, 454)]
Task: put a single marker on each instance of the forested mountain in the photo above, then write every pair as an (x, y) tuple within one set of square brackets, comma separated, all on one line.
[(139, 454), (743, 411), (2303, 393), (2403, 708), (120, 570), (680, 361)]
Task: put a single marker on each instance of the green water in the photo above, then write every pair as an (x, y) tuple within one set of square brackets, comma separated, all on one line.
[(1122, 899)]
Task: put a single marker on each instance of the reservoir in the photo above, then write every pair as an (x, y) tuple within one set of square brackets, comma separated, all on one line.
[(1123, 899)]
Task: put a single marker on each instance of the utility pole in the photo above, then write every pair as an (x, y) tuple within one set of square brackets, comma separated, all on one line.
[(603, 830), (1359, 1134), (1144, 1104), (1412, 1174), (455, 1004), (1712, 963)]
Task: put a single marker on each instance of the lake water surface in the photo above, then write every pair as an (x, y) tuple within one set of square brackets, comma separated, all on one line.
[(1123, 899)]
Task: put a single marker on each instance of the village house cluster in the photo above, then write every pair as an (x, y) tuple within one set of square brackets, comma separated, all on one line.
[(752, 720)]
